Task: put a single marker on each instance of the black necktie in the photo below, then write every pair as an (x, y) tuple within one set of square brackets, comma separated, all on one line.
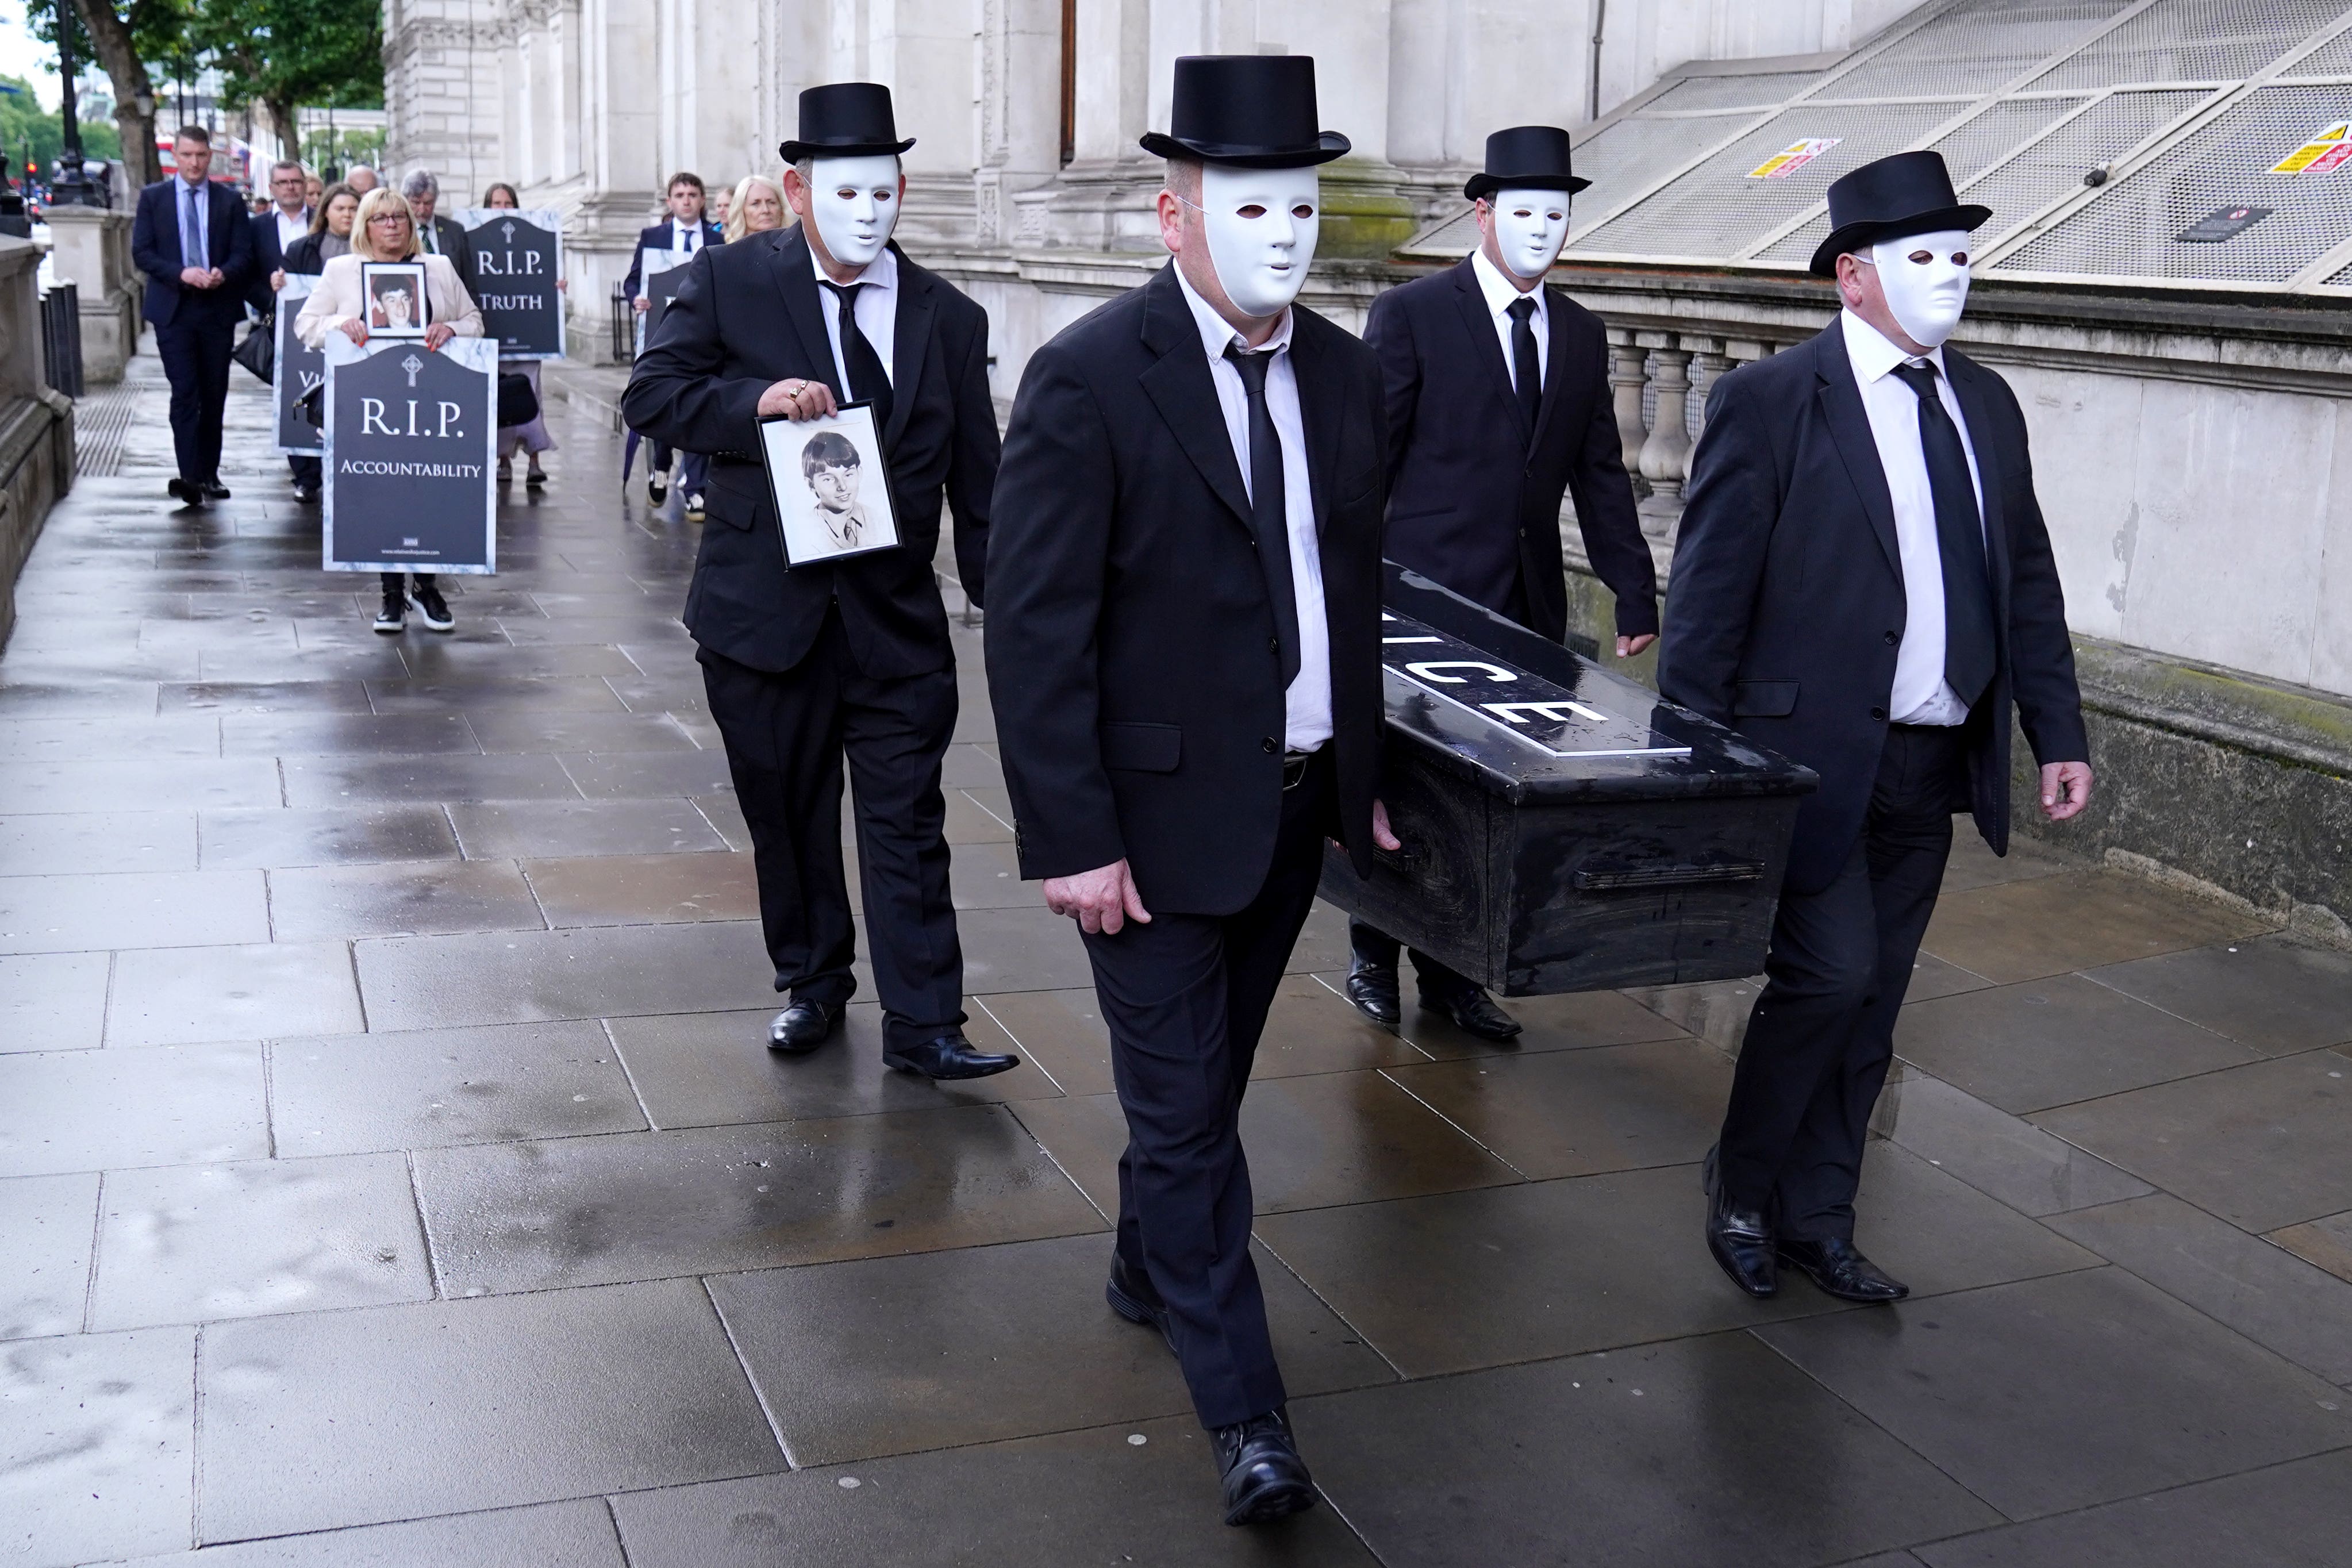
[(1526, 369), (867, 378), (1968, 647), (1269, 508)]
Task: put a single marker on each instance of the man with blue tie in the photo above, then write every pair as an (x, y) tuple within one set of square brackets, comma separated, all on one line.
[(193, 240), (685, 230)]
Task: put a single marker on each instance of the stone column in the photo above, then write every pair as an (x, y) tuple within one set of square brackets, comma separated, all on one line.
[(91, 247), (1665, 456), (1628, 373), (1020, 110), (1708, 366)]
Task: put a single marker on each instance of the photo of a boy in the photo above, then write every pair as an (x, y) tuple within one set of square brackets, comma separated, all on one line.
[(831, 465)]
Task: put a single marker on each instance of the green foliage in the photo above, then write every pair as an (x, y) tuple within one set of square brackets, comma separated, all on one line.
[(158, 27), (284, 54), (23, 125)]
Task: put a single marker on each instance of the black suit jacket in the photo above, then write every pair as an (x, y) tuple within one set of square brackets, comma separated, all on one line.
[(656, 236), (748, 315), (1139, 702), (1787, 606), (1472, 502), (155, 251), (450, 239), (268, 258)]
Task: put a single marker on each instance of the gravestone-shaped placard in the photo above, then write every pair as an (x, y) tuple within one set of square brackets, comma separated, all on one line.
[(300, 370), (409, 445), (517, 257), (664, 271)]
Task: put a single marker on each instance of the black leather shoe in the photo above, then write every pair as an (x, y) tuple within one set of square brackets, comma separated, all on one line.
[(1739, 1239), (802, 1028), (215, 490), (1264, 1477), (1131, 1295), (1838, 1269), (947, 1055), (188, 492), (1474, 1013), (1372, 987)]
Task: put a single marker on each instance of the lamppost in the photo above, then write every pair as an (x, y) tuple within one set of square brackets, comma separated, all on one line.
[(68, 188)]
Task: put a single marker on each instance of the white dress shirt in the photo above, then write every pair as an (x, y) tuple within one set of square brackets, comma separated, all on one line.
[(686, 238), (290, 227), (1921, 695), (876, 310), (1307, 705), (1501, 295)]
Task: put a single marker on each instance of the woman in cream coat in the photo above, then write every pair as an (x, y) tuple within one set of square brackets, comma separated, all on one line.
[(385, 230)]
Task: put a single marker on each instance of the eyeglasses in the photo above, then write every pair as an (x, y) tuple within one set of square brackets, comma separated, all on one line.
[(387, 217)]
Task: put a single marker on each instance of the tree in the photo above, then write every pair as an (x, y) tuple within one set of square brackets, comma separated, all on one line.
[(283, 54), (124, 34), (28, 131)]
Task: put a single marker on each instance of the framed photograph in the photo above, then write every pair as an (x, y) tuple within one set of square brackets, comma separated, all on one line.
[(395, 294), (831, 489)]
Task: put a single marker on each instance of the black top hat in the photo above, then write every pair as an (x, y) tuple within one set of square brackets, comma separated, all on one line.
[(1257, 110), (846, 120), (1910, 192), (1525, 158)]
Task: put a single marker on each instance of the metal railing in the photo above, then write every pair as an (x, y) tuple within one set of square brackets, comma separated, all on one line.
[(624, 327), (61, 337)]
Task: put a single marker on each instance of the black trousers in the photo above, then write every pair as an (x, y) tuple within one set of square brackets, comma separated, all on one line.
[(786, 734), (1823, 1032), (195, 362), (1185, 999), (305, 469)]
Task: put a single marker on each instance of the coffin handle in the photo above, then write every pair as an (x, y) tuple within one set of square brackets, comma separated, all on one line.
[(1611, 879)]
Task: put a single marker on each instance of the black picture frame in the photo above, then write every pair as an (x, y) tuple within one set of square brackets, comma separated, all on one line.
[(801, 457)]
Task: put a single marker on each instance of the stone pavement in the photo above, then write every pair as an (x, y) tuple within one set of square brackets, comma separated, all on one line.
[(391, 1172)]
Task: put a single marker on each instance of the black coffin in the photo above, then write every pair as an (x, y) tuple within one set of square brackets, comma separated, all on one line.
[(1564, 829)]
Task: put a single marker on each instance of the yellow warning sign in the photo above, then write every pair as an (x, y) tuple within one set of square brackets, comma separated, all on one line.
[(2331, 149), (1793, 157)]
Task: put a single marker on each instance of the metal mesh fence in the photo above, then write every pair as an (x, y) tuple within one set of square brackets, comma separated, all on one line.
[(2332, 58), (1762, 90), (1722, 207), (2224, 167), (2194, 40), (1968, 149), (1974, 49)]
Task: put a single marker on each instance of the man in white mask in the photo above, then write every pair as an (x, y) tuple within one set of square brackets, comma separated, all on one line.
[(1184, 654), (1864, 583), (1498, 404), (851, 658)]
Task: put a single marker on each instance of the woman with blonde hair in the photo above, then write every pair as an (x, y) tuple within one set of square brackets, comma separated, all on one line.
[(757, 206), (385, 230)]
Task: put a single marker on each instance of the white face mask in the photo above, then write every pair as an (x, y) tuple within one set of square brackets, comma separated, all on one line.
[(853, 202), (1529, 228), (1925, 298), (1261, 224)]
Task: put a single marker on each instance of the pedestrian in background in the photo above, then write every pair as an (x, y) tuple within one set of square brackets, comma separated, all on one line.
[(756, 206), (194, 242), (314, 190), (330, 236), (531, 438), (685, 230), (386, 231), (438, 235), (362, 179)]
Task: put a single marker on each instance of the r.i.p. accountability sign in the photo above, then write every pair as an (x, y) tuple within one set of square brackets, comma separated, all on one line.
[(410, 437)]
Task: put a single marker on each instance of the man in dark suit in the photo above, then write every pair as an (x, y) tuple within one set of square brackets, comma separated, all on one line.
[(802, 663), (287, 220), (1498, 403), (685, 231), (1864, 583), (437, 232), (1183, 651), (194, 241)]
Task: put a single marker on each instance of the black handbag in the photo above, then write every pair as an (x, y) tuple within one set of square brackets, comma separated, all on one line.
[(517, 402), (258, 350)]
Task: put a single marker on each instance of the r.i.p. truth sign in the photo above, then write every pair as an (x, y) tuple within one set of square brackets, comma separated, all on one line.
[(410, 433), (517, 257)]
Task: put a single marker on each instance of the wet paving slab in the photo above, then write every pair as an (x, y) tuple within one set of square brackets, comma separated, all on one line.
[(393, 1173)]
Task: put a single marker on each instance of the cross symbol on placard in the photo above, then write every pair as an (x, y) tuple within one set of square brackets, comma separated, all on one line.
[(507, 228), (412, 364)]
